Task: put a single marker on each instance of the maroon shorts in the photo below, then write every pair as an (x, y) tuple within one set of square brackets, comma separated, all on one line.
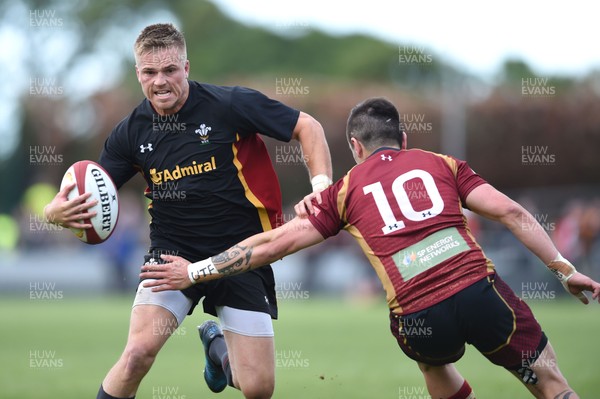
[(487, 315)]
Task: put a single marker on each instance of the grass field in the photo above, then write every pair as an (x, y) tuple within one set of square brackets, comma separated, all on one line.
[(62, 348)]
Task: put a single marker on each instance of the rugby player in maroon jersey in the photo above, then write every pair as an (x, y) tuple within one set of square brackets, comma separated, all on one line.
[(405, 209)]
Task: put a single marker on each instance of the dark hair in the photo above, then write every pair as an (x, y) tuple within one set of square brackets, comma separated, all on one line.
[(375, 123), (159, 36)]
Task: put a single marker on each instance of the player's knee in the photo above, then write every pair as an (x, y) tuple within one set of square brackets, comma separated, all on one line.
[(427, 368), (138, 359), (259, 388), (424, 367)]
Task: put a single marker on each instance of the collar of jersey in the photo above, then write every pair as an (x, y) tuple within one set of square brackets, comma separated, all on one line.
[(383, 149)]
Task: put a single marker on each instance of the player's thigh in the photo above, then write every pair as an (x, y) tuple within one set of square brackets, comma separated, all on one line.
[(250, 344), (251, 358), (430, 336), (500, 325), (155, 316)]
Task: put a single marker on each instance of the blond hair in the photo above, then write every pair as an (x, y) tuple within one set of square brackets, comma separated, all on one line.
[(159, 36)]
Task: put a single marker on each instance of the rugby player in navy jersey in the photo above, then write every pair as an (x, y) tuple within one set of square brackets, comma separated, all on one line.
[(202, 141), (405, 209)]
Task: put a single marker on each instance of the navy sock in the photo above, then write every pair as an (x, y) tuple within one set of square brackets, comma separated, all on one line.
[(217, 350), (218, 354), (227, 370), (104, 395)]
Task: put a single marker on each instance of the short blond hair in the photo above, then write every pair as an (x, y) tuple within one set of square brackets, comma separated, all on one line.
[(157, 36)]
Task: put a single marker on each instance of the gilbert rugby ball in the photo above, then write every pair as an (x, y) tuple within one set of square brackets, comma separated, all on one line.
[(92, 178)]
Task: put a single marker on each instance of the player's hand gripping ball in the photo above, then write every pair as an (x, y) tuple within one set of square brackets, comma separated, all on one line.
[(92, 178)]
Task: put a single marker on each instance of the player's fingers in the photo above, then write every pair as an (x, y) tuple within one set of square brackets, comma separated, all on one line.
[(318, 197), (309, 206), (79, 216), (162, 287), (596, 293), (583, 297), (300, 209), (81, 198), (66, 190), (72, 208), (77, 224), (87, 205), (159, 286), (169, 258), (154, 269), (154, 279)]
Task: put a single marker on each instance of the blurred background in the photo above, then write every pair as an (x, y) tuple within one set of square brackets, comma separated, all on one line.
[(514, 90), (530, 127)]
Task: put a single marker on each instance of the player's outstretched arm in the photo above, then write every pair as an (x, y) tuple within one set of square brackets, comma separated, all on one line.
[(69, 213), (309, 132), (256, 251), (486, 201)]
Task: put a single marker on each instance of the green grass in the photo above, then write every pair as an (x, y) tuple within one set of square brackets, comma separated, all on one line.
[(325, 349)]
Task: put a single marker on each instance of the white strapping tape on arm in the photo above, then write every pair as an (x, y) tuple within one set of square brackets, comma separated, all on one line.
[(564, 270), (201, 269), (320, 182)]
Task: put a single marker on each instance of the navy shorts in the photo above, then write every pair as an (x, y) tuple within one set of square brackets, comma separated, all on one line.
[(253, 290), (487, 315)]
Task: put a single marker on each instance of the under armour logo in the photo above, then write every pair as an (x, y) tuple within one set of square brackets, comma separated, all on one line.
[(426, 214), (386, 157), (148, 147)]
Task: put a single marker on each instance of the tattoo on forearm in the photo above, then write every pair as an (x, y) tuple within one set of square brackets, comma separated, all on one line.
[(564, 394), (234, 260)]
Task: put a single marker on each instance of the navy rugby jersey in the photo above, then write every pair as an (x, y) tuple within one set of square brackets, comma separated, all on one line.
[(209, 174)]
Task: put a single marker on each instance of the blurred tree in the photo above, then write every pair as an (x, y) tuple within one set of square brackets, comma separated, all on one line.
[(68, 53), (85, 61)]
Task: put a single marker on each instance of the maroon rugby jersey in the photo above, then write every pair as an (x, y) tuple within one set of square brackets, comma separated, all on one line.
[(404, 207)]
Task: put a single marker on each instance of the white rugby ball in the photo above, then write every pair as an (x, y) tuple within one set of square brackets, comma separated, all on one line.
[(92, 178)]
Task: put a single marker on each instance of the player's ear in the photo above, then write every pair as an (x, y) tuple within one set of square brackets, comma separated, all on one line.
[(355, 145), (137, 73), (358, 149), (404, 140)]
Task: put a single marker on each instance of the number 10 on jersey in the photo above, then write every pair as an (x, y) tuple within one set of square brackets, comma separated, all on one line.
[(392, 224)]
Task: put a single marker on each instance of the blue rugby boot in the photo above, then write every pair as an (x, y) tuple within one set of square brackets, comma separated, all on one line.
[(213, 373)]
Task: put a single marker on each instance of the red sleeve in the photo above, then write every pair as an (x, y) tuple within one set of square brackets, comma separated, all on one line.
[(466, 180), (327, 218)]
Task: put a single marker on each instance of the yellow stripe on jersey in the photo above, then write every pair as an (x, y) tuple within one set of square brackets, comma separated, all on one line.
[(341, 199), (379, 268), (262, 211), (452, 164), (373, 259), (514, 327), (490, 267)]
